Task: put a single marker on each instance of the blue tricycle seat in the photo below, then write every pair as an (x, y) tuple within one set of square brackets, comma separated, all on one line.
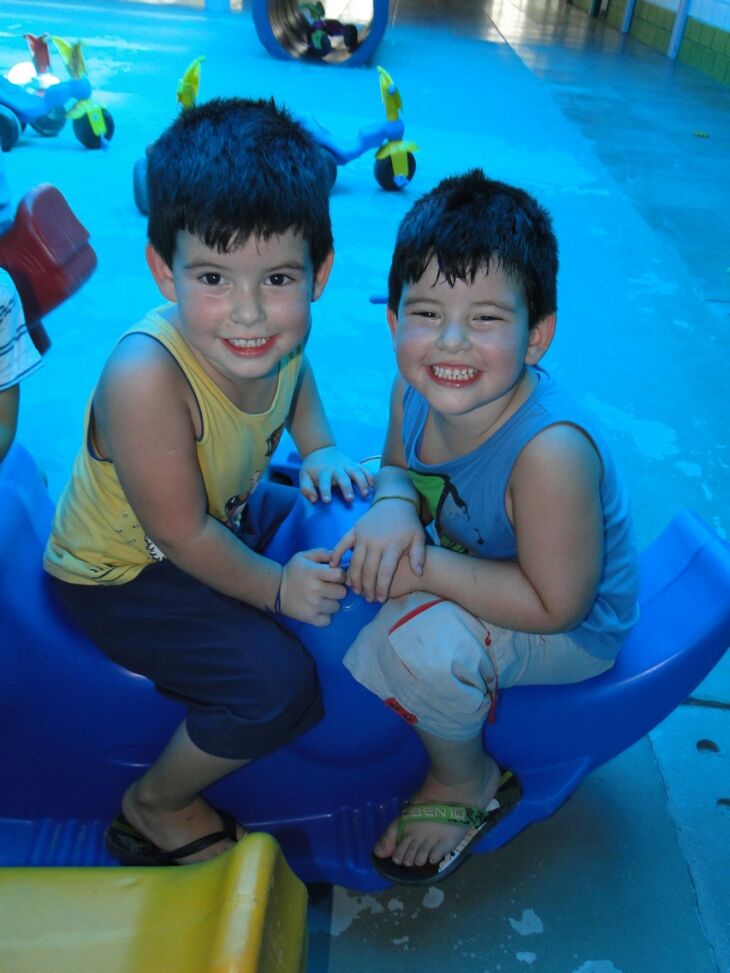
[(75, 729)]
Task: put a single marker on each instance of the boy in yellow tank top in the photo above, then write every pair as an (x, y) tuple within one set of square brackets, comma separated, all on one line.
[(154, 547)]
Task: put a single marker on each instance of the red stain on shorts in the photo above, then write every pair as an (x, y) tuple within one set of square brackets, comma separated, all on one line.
[(392, 703), (488, 638), (413, 612)]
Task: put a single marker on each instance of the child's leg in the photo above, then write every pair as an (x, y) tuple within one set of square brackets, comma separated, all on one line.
[(165, 804), (248, 684), (429, 661), (460, 772), (440, 669)]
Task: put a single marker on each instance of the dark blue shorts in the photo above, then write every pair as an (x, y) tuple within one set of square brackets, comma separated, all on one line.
[(248, 683)]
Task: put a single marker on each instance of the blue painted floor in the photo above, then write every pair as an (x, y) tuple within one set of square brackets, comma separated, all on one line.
[(629, 151)]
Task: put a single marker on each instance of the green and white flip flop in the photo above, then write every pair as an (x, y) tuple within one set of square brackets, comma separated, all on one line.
[(479, 821)]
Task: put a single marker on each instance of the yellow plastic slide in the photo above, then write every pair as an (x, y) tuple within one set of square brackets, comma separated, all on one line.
[(243, 912)]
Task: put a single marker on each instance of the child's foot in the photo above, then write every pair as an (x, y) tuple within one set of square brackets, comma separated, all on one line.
[(428, 842), (174, 829)]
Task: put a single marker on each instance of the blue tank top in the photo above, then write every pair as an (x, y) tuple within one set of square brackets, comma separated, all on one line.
[(466, 497)]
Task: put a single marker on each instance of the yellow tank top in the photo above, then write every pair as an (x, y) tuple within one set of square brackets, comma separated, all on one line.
[(96, 537)]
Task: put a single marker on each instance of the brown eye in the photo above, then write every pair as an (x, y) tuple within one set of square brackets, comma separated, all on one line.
[(279, 280)]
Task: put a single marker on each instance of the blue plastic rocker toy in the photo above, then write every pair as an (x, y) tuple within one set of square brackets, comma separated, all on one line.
[(326, 797)]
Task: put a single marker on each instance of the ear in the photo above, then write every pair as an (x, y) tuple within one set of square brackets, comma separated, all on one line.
[(540, 338), (161, 272), (392, 319), (322, 275)]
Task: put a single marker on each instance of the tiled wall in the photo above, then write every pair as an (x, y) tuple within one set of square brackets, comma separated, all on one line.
[(652, 25), (615, 13), (707, 49), (706, 41)]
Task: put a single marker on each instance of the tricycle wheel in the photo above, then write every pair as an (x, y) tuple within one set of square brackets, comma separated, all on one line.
[(319, 43), (85, 133), (139, 178), (385, 176), (350, 36), (50, 124), (9, 128)]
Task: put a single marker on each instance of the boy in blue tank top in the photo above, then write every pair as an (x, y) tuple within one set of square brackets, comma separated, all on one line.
[(155, 546), (530, 573)]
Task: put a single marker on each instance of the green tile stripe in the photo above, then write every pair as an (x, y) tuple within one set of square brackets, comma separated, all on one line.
[(703, 47), (615, 13), (707, 49), (652, 25)]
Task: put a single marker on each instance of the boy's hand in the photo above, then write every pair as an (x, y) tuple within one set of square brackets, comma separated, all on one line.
[(327, 466), (378, 541), (311, 589)]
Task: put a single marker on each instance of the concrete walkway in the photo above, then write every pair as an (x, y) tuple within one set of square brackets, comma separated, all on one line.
[(632, 875)]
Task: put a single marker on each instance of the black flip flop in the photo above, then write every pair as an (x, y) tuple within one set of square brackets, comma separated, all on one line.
[(480, 820), (132, 848)]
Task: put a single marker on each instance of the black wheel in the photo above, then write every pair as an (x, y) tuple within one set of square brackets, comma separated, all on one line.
[(139, 177), (384, 172), (9, 128), (330, 167), (350, 37), (319, 43), (50, 124), (85, 134)]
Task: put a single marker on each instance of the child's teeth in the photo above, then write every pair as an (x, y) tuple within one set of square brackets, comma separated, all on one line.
[(248, 342), (454, 374)]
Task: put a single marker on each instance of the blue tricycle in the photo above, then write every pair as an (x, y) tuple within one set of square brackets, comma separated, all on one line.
[(46, 103), (395, 162)]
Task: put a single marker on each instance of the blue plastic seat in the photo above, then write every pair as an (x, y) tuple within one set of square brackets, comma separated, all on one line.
[(75, 729)]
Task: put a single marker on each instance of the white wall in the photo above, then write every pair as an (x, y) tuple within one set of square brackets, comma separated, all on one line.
[(716, 13)]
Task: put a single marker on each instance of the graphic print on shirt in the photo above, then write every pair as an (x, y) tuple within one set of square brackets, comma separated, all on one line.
[(153, 550), (436, 489), (273, 440), (237, 503)]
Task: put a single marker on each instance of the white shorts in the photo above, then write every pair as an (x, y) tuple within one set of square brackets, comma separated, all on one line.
[(440, 668)]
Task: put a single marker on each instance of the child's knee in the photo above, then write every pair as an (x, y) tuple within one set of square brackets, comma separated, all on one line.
[(263, 712), (444, 648), (298, 687), (427, 654)]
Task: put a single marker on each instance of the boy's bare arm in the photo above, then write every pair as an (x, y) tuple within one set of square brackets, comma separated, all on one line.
[(392, 527), (9, 402), (143, 422), (323, 465), (556, 510)]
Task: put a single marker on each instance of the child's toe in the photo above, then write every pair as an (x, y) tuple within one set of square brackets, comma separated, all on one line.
[(386, 844), (439, 850), (423, 852), (405, 852)]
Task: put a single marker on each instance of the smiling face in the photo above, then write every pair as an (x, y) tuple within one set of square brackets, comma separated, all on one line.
[(465, 347), (243, 311)]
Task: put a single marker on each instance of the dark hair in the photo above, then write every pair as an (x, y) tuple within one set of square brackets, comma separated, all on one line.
[(231, 168), (468, 222)]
